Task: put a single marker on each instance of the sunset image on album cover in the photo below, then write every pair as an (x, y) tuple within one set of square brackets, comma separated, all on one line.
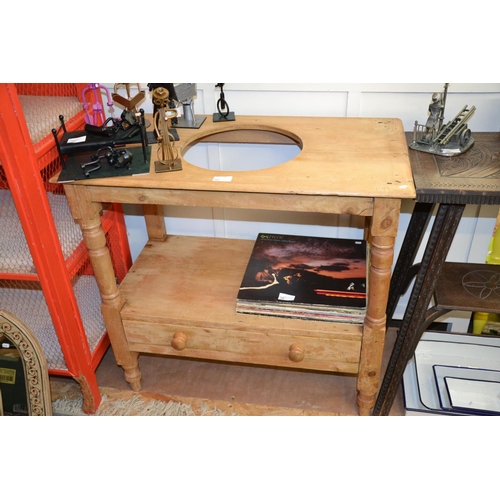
[(306, 270)]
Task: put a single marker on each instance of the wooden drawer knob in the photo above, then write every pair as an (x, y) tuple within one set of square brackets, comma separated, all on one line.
[(179, 341), (296, 352)]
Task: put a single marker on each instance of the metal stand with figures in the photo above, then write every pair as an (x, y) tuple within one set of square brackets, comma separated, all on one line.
[(223, 115), (168, 155), (450, 139)]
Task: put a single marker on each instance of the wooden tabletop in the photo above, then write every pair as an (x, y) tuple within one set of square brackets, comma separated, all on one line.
[(469, 178), (365, 157)]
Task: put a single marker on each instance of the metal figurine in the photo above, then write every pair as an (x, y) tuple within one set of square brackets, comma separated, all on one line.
[(451, 139), (168, 155), (223, 115), (117, 158)]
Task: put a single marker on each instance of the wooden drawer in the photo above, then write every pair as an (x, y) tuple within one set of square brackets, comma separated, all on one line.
[(305, 351)]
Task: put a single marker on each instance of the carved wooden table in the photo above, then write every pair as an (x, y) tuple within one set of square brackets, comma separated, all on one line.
[(451, 183), (179, 297)]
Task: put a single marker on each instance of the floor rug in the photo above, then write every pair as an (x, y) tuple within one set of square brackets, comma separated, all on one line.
[(67, 401), (135, 406)]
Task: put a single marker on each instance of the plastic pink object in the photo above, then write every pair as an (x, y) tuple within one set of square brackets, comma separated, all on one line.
[(97, 117)]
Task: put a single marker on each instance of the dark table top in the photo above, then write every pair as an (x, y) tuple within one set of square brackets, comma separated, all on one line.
[(469, 178)]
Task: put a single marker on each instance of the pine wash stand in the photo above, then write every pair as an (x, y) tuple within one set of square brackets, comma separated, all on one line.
[(179, 297)]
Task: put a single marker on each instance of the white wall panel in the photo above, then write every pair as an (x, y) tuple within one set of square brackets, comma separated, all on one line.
[(247, 224), (286, 103), (411, 107), (406, 106)]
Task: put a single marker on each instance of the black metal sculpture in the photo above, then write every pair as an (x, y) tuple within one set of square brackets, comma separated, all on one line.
[(223, 115)]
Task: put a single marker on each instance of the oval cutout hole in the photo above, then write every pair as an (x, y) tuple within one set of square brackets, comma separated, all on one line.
[(242, 150)]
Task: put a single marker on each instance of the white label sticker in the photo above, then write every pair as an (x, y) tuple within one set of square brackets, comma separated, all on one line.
[(222, 178), (285, 296), (75, 140)]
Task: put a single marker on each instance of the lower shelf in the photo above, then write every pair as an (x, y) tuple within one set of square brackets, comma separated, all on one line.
[(30, 307), (185, 287)]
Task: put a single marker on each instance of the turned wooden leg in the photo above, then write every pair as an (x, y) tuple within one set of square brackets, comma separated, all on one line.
[(125, 358), (88, 215), (383, 233), (374, 329)]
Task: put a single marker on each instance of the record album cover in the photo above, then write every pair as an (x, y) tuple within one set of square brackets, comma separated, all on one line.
[(305, 277)]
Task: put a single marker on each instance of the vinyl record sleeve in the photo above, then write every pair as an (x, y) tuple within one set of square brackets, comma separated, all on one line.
[(305, 276)]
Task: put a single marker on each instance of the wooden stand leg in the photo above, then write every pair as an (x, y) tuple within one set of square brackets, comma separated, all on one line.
[(125, 358), (155, 222), (383, 237), (88, 215), (375, 324)]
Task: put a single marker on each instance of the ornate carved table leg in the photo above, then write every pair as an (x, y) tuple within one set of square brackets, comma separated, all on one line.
[(383, 234), (419, 219), (88, 215)]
